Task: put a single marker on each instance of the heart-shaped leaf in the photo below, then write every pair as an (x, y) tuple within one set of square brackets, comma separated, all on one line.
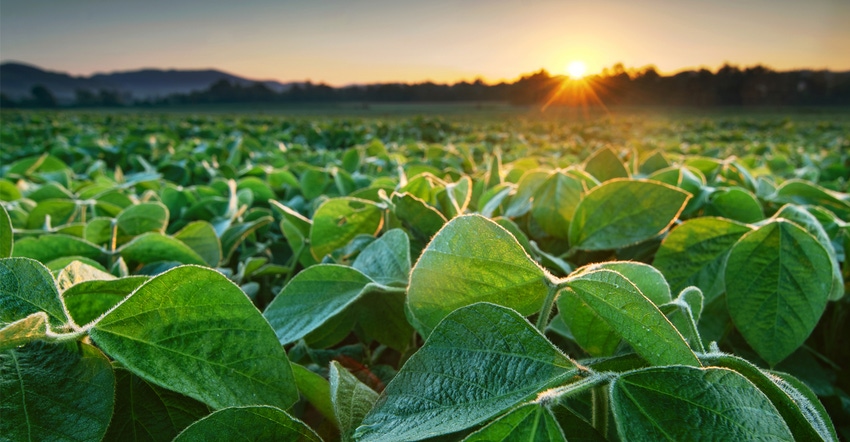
[(480, 361), (685, 403), (186, 330), (624, 212), (473, 259), (778, 280)]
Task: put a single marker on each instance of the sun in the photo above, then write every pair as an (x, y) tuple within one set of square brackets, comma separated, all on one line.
[(576, 69)]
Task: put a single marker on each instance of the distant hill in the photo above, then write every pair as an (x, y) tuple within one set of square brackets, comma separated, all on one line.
[(17, 80)]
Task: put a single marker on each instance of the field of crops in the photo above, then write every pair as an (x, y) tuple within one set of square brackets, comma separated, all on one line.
[(508, 277)]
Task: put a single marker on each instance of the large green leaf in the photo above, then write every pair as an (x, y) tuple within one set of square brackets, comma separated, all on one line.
[(6, 235), (623, 212), (55, 392), (806, 220), (337, 221), (313, 297), (479, 362), (606, 296), (258, 423), (351, 399), (46, 248), (685, 403), (26, 287), (473, 259), (555, 203), (532, 423), (694, 254), (778, 280), (152, 247), (193, 331), (146, 412)]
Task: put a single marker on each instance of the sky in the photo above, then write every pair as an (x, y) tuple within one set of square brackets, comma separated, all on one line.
[(343, 42)]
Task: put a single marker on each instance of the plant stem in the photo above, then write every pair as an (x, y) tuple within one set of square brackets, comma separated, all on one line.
[(548, 304), (599, 395)]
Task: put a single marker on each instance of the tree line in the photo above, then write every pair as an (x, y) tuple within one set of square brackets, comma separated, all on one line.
[(728, 86)]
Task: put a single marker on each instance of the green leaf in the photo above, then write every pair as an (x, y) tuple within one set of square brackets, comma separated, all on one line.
[(141, 218), (188, 330), (804, 193), (623, 212), (315, 389), (7, 240), (796, 403), (424, 220), (23, 331), (146, 412), (381, 317), (153, 247), (200, 236), (26, 287), (646, 278), (685, 403), (694, 254), (522, 201), (808, 404), (479, 362), (351, 399), (778, 280), (88, 300), (604, 165), (736, 204), (313, 182), (387, 259), (473, 259), (57, 211), (338, 220), (806, 220), (606, 296), (313, 297), (46, 248), (530, 422), (555, 202), (55, 392), (251, 423)]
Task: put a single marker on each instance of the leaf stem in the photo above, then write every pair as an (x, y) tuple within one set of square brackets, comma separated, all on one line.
[(548, 304), (599, 396)]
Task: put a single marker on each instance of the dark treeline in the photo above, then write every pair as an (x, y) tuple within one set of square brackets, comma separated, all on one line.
[(728, 86)]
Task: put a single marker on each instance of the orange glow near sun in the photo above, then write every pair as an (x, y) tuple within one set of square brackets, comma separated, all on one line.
[(576, 90), (576, 69)]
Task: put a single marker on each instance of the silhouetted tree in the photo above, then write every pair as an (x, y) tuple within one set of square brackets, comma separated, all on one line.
[(42, 97)]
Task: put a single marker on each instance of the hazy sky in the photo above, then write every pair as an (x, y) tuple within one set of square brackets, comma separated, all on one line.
[(355, 41)]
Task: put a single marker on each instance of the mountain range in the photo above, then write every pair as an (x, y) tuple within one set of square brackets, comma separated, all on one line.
[(18, 79)]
